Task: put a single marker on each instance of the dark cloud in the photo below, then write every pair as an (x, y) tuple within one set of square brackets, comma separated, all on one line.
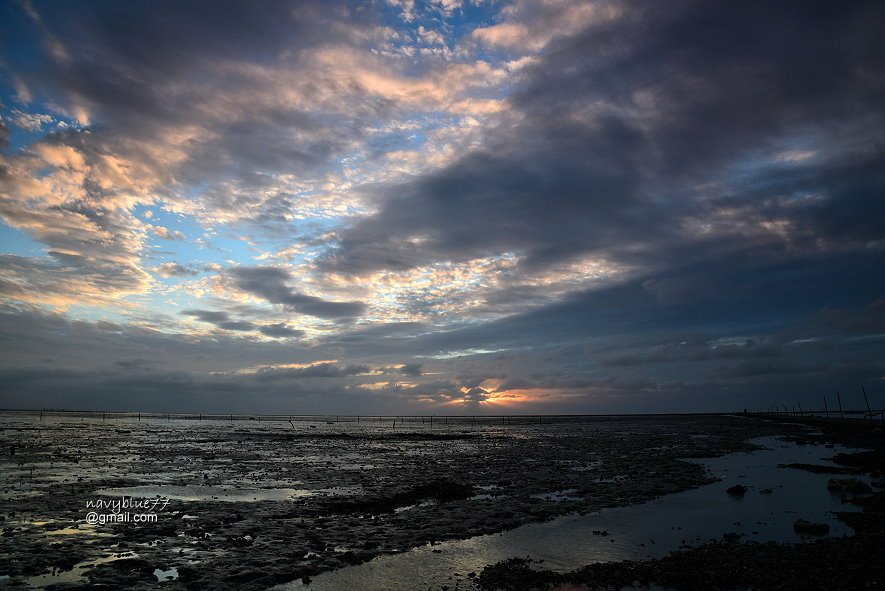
[(208, 315), (270, 284), (175, 269), (319, 370), (727, 159), (221, 320), (137, 363), (279, 330), (4, 136), (476, 395), (238, 325), (637, 134), (412, 369)]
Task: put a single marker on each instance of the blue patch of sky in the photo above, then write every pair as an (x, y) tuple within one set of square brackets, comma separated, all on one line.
[(454, 27), (194, 249), (20, 52), (21, 39), (14, 241)]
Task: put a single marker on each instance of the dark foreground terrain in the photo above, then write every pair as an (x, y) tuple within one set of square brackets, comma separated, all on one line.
[(854, 562), (253, 504)]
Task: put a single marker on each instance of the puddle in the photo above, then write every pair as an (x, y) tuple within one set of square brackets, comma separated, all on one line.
[(75, 574), (166, 575), (649, 530), (405, 508), (224, 494)]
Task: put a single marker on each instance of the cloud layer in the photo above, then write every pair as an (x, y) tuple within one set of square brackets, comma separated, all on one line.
[(524, 206)]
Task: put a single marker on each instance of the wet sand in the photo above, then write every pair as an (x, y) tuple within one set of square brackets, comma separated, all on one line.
[(252, 505)]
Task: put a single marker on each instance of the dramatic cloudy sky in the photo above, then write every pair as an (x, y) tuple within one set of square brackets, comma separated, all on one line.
[(451, 206)]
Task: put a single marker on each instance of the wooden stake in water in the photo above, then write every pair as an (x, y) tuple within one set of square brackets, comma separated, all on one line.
[(869, 412), (826, 410), (839, 398)]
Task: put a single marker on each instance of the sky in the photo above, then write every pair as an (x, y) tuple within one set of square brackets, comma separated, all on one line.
[(441, 207)]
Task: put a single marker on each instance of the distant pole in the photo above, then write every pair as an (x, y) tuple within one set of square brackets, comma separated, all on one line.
[(839, 398), (869, 411), (799, 404), (826, 410)]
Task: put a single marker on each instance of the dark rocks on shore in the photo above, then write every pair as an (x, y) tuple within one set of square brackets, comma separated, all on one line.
[(821, 469), (848, 485), (809, 528), (442, 491), (738, 490)]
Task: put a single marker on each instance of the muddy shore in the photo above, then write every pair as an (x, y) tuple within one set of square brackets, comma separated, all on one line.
[(349, 493), (852, 562)]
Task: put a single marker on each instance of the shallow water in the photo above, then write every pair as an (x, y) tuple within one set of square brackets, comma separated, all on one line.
[(73, 575), (648, 530), (223, 493)]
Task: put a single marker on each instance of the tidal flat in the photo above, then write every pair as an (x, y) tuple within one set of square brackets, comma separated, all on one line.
[(254, 504)]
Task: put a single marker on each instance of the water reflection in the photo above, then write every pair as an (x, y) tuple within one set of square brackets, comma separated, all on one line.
[(643, 531)]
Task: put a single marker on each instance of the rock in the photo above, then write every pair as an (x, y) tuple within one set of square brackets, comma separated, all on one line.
[(738, 490), (809, 528), (848, 485)]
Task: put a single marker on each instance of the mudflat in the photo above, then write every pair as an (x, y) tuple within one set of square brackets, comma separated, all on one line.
[(248, 504)]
